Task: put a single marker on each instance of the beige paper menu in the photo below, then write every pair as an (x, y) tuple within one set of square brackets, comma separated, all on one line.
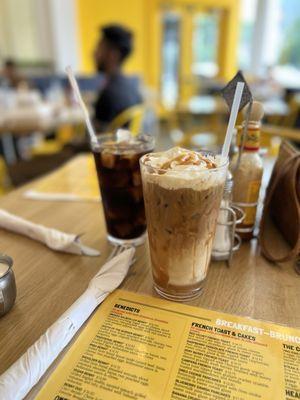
[(139, 347)]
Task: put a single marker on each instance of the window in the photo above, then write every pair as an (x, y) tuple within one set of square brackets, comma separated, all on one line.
[(270, 39), (289, 52), (247, 24), (205, 44), (170, 59)]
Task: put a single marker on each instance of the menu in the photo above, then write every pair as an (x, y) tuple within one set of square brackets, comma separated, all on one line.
[(139, 347), (77, 178)]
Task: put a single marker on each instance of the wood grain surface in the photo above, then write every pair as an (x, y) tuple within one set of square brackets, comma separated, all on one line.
[(49, 282)]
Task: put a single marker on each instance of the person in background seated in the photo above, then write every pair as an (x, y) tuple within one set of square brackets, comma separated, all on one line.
[(9, 76), (119, 92)]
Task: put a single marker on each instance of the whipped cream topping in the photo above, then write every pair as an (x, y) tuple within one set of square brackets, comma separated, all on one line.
[(178, 158), (182, 168)]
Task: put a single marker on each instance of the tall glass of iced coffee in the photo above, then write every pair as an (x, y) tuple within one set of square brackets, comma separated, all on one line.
[(182, 195), (117, 163)]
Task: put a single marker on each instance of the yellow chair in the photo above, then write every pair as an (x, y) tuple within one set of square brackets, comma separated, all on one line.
[(64, 135), (133, 116), (5, 183), (288, 120), (294, 109)]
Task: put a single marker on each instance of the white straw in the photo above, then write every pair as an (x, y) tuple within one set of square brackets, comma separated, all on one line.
[(232, 119), (78, 97)]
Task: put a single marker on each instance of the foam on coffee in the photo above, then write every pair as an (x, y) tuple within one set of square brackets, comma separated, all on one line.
[(182, 168)]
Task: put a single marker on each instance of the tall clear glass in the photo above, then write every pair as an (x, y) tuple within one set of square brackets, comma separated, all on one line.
[(118, 170), (181, 213)]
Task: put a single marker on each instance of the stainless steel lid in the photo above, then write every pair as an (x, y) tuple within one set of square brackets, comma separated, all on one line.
[(6, 263)]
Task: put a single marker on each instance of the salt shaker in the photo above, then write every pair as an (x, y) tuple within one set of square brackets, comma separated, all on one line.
[(223, 237), (226, 239), (7, 284)]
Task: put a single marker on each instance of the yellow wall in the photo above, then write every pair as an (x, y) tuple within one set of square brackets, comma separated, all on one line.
[(143, 17), (94, 13), (228, 41)]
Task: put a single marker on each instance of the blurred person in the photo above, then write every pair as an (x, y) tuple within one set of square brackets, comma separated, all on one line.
[(119, 92), (9, 76)]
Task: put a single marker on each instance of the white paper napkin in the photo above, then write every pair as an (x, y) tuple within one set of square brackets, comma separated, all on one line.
[(19, 379), (35, 195), (54, 239)]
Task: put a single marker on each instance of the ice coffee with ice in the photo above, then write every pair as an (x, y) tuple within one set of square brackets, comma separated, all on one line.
[(117, 164), (182, 194)]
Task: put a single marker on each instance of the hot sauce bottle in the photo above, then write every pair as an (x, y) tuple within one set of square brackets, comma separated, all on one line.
[(247, 172)]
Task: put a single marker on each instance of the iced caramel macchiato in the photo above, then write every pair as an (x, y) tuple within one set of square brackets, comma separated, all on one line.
[(182, 195)]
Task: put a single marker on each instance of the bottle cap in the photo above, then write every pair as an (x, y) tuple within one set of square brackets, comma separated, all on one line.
[(257, 111)]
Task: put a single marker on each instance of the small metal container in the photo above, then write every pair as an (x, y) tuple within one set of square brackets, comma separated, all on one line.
[(8, 290), (233, 215)]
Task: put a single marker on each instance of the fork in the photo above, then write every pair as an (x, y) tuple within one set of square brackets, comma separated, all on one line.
[(118, 249)]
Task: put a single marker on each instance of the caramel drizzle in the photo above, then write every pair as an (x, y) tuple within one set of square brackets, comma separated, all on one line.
[(191, 158)]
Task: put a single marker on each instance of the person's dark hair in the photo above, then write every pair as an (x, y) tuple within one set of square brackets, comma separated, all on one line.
[(9, 63), (120, 38)]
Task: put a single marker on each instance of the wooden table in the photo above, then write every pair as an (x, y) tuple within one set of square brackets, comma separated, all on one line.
[(209, 105), (49, 282), (26, 121)]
